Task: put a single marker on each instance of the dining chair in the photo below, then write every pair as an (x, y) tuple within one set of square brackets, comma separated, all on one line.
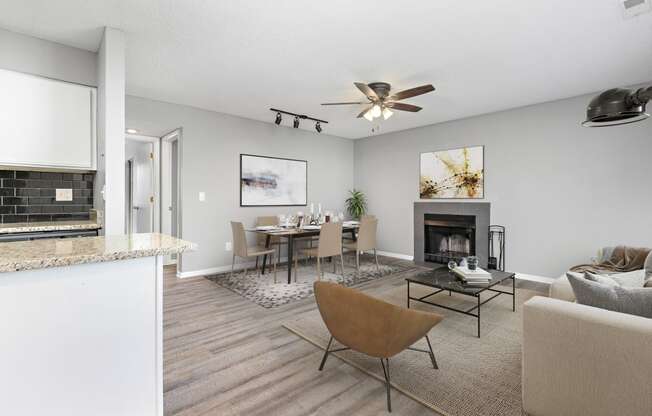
[(330, 245), (366, 241), (274, 241), (242, 250), (371, 326)]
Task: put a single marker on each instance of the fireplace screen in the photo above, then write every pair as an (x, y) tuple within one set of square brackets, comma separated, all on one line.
[(448, 237)]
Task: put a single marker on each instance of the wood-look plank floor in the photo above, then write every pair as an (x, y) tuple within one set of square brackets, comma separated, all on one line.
[(224, 355)]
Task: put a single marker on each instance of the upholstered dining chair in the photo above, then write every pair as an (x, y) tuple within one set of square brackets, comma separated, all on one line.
[(330, 245), (242, 250), (274, 241), (371, 326), (366, 241)]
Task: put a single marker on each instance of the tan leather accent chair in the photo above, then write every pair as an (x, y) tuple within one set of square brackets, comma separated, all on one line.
[(371, 326), (330, 245), (366, 241), (241, 249)]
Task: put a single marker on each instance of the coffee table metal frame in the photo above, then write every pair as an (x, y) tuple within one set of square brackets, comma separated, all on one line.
[(471, 291)]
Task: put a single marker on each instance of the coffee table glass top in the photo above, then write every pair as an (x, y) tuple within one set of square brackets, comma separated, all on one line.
[(442, 278)]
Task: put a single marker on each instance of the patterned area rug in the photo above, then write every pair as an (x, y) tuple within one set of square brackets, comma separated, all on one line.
[(476, 376), (263, 291)]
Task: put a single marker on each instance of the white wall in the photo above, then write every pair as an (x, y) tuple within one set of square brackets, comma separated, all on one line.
[(48, 59), (212, 143), (110, 176), (561, 190)]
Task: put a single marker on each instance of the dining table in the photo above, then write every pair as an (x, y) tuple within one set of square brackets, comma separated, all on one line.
[(292, 233)]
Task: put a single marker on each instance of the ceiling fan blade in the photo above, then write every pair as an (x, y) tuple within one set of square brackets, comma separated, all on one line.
[(362, 113), (371, 94), (403, 107), (412, 92), (351, 103)]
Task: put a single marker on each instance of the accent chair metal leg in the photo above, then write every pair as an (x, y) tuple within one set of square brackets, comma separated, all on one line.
[(342, 264), (387, 383), (432, 354), (376, 257), (323, 360), (256, 262), (232, 266), (318, 268)]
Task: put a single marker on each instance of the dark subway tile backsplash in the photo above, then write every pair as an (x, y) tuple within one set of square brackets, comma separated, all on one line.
[(30, 196)]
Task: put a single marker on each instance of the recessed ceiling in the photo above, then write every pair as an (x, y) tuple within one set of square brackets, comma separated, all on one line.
[(242, 57)]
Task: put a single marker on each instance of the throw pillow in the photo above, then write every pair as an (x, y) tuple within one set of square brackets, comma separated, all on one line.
[(634, 301), (629, 279), (599, 278)]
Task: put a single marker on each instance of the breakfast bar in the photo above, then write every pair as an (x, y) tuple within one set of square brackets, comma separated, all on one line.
[(82, 323)]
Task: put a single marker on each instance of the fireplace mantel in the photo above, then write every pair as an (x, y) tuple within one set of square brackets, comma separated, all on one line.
[(480, 210)]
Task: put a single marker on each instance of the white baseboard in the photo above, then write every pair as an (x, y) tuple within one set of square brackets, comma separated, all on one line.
[(396, 255), (534, 278), (221, 269)]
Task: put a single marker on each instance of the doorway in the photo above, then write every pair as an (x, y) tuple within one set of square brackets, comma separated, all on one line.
[(171, 147), (141, 177)]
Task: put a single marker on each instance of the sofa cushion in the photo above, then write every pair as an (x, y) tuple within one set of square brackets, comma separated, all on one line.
[(634, 301), (599, 278), (648, 270), (628, 279)]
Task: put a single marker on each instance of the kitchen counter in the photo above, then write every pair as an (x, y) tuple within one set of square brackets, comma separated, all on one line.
[(82, 324), (94, 223), (41, 254)]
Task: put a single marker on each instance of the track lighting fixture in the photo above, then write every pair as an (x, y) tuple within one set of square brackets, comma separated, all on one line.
[(618, 106), (297, 119)]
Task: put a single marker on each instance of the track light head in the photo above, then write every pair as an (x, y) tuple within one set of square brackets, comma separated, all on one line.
[(318, 127), (279, 118), (295, 124)]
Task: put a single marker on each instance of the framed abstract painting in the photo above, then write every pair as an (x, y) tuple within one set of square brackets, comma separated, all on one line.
[(272, 181), (452, 174)]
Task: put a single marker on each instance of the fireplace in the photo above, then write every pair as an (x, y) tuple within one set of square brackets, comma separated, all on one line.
[(448, 237), (445, 231)]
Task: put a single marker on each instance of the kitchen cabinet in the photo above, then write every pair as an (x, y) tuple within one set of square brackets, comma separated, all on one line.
[(46, 123)]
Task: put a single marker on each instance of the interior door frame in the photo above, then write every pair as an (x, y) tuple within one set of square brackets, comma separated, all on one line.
[(168, 139), (156, 176)]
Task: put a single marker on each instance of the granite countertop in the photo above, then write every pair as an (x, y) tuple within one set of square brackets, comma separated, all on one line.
[(32, 227), (46, 253)]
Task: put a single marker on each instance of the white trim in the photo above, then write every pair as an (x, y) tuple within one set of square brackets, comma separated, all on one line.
[(534, 278), (396, 255), (222, 269)]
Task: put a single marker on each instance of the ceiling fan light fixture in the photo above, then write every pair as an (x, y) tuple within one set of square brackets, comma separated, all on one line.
[(368, 115), (387, 113), (376, 111)]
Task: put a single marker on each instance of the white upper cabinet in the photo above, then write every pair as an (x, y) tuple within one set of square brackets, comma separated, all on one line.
[(46, 123)]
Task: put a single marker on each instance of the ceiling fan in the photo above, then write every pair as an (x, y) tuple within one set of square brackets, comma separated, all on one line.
[(380, 102)]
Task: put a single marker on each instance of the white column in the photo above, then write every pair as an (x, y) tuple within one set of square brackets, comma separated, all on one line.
[(111, 131)]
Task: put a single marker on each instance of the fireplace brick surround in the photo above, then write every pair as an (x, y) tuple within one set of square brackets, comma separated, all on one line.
[(480, 210)]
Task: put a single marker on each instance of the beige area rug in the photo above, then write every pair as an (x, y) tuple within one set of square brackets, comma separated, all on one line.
[(476, 376)]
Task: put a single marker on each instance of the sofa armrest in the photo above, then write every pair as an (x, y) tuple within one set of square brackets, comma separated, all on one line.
[(581, 360)]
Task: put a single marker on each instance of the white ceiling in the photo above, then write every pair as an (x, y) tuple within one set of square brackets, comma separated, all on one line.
[(242, 57)]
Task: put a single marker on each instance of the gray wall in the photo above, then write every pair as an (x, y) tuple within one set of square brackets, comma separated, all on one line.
[(212, 143), (561, 190), (48, 59)]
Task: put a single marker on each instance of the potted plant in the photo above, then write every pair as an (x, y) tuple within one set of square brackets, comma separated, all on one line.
[(356, 204)]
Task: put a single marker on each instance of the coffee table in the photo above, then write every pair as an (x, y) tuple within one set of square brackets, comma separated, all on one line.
[(444, 280)]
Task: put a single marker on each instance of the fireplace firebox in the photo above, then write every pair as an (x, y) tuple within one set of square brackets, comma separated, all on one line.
[(448, 237)]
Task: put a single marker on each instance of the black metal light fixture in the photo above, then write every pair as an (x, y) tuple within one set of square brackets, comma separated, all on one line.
[(618, 106), (297, 119)]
